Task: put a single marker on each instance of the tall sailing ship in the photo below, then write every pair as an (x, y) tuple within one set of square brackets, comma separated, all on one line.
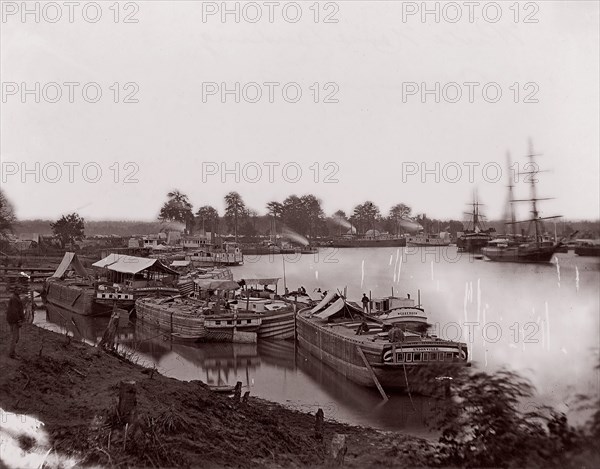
[(476, 236), (533, 247)]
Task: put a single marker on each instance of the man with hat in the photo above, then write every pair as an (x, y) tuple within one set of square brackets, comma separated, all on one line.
[(15, 317)]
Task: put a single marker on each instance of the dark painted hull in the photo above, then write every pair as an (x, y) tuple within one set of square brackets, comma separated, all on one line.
[(592, 251), (368, 243), (520, 254), (472, 244), (76, 299)]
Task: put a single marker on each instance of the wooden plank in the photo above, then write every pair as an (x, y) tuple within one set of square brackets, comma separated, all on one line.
[(372, 373)]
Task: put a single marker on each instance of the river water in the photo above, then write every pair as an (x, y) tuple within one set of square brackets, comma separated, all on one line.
[(541, 320)]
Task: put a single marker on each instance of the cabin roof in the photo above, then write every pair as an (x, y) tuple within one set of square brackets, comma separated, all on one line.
[(132, 265), (70, 260), (261, 281)]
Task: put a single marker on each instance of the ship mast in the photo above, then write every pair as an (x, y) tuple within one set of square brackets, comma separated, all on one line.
[(536, 219), (511, 207)]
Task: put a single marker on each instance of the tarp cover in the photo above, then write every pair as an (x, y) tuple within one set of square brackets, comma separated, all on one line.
[(70, 260), (330, 296), (131, 264), (216, 284), (334, 308), (261, 281)]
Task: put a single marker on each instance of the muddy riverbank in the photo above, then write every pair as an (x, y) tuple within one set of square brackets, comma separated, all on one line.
[(72, 388)]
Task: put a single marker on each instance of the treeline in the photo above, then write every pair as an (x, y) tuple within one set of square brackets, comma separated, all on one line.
[(303, 215)]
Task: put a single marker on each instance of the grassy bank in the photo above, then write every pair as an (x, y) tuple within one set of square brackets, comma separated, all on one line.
[(73, 389)]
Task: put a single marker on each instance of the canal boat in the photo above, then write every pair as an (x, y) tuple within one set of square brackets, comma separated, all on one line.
[(276, 314), (123, 279), (71, 288), (371, 352), (184, 315)]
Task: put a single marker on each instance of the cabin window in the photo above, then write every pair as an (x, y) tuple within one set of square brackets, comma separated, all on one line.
[(426, 357), (417, 357), (441, 357), (400, 357), (409, 357), (218, 323), (248, 321), (229, 323), (448, 356)]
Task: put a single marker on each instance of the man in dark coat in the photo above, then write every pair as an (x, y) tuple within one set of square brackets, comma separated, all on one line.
[(15, 317)]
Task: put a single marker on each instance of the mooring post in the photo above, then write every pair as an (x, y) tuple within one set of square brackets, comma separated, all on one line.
[(127, 400), (245, 398), (319, 417), (237, 392)]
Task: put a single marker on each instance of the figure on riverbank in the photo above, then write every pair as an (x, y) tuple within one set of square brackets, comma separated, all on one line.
[(15, 316)]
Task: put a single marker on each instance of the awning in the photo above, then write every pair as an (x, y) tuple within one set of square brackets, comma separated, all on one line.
[(216, 284), (261, 281), (70, 260), (334, 308), (330, 296), (180, 263), (132, 265)]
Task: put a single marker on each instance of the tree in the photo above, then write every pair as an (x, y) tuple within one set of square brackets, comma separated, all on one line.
[(398, 213), (7, 215), (275, 210), (364, 216), (207, 215), (69, 228), (482, 424), (178, 208), (235, 210), (313, 214)]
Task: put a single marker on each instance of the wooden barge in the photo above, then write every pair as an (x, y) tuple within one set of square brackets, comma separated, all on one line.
[(368, 351)]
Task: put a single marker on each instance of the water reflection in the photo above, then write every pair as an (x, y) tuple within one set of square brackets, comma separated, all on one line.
[(545, 317)]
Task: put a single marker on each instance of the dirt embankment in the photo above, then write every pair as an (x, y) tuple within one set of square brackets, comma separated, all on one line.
[(73, 389)]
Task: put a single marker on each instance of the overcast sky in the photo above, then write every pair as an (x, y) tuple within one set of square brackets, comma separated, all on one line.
[(365, 144)]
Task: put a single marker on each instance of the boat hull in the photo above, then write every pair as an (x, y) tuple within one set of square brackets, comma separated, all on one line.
[(174, 319), (277, 325), (368, 243), (472, 244), (76, 299), (519, 254), (591, 251), (342, 355)]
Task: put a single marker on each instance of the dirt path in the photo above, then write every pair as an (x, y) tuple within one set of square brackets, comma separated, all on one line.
[(73, 389)]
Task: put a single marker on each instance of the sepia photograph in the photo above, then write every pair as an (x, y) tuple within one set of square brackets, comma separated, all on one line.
[(299, 234)]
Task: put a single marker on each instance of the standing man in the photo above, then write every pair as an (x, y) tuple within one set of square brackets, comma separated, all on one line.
[(365, 303), (15, 317)]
